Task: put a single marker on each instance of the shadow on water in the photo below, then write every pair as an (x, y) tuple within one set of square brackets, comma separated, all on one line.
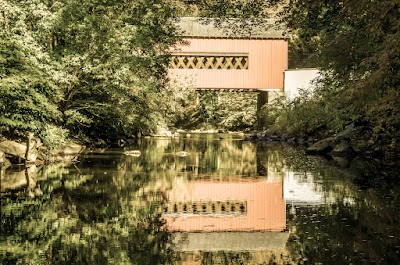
[(196, 199)]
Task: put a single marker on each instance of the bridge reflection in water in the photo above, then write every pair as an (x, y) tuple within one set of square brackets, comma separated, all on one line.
[(229, 214)]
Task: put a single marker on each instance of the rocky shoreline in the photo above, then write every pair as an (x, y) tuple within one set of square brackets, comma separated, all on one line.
[(23, 160), (339, 147)]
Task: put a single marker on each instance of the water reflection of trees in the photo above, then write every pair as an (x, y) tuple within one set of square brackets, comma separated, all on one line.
[(84, 219), (205, 155), (352, 225)]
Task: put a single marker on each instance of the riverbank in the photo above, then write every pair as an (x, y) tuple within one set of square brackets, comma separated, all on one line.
[(33, 152), (342, 150), (27, 157), (21, 160)]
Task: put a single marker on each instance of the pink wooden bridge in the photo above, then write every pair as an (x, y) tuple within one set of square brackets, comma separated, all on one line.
[(220, 59)]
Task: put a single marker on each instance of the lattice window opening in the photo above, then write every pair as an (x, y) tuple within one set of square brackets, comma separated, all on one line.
[(209, 62), (206, 208)]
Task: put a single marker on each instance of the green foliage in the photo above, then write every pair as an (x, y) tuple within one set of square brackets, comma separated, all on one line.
[(309, 115), (355, 45), (53, 136), (238, 111), (81, 218), (118, 63), (238, 9), (208, 109), (213, 110), (182, 104), (269, 113), (28, 99), (92, 67)]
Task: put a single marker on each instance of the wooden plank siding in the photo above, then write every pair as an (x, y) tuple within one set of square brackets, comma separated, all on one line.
[(266, 63), (259, 206)]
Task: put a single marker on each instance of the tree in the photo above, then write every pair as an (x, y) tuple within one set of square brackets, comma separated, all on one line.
[(354, 43), (118, 53), (95, 68), (29, 97)]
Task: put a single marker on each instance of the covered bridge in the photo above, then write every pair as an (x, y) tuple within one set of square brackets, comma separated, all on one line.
[(224, 59)]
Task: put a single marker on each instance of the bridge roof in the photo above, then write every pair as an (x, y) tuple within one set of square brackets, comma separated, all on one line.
[(230, 28)]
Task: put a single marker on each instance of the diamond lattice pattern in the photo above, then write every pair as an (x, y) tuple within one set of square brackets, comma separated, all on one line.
[(209, 62)]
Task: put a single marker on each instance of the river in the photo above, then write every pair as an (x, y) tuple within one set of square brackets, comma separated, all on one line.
[(197, 199)]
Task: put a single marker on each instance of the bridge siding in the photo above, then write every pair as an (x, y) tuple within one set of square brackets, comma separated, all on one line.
[(267, 63), (266, 208)]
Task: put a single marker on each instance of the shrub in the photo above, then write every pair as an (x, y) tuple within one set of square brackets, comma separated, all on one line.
[(53, 136)]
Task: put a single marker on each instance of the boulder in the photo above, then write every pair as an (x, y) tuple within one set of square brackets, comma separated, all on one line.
[(18, 152), (261, 134), (2, 158), (341, 161), (343, 149), (69, 148), (6, 164), (13, 149), (66, 153), (135, 153), (321, 147), (346, 133)]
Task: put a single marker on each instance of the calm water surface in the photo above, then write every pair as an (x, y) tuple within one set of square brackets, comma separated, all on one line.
[(197, 199)]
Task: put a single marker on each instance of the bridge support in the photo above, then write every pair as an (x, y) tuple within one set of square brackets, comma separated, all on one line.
[(262, 99)]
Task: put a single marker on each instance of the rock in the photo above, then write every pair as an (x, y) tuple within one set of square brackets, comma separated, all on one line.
[(321, 147), (38, 192), (346, 133), (343, 149), (69, 148), (21, 153), (14, 149), (251, 138), (2, 158), (274, 138), (182, 153), (301, 141), (66, 153), (365, 167), (135, 153), (32, 156), (341, 161), (125, 142), (310, 140), (2, 176), (261, 134), (6, 164)]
